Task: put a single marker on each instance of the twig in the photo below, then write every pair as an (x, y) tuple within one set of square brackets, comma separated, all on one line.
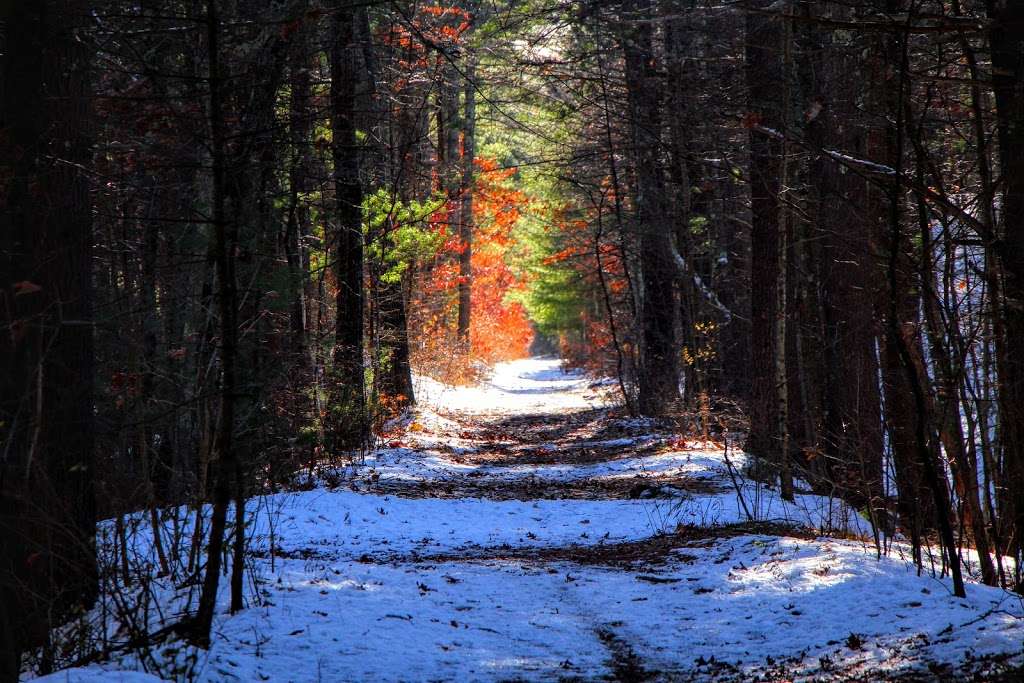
[(735, 484)]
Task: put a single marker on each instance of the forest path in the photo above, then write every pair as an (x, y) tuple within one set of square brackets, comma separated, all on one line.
[(596, 546), (527, 530), (535, 432), (529, 432)]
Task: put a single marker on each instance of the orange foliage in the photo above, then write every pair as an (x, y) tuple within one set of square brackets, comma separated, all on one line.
[(499, 329), (432, 25)]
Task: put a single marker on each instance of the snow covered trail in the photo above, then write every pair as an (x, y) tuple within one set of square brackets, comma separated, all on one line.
[(525, 530)]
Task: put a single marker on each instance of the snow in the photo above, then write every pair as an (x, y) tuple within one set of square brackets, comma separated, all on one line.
[(99, 675), (522, 387), (352, 524), (356, 584)]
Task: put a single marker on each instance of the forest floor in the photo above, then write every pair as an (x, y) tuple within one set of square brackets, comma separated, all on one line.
[(525, 529)]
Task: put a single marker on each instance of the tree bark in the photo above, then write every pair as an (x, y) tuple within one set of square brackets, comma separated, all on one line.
[(298, 220), (347, 239), (659, 363), (466, 210), (764, 74), (683, 206), (47, 503), (915, 508), (852, 427), (224, 242), (1007, 43)]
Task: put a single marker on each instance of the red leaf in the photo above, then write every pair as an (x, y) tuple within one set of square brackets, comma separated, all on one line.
[(26, 287)]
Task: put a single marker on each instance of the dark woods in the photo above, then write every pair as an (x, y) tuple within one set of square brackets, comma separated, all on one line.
[(222, 227), (47, 473)]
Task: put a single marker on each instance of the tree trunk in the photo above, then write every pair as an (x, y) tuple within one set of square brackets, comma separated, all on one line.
[(298, 220), (390, 331), (915, 509), (852, 429), (680, 127), (448, 141), (1007, 42), (659, 364), (47, 503), (349, 410), (466, 211), (225, 239), (764, 73)]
